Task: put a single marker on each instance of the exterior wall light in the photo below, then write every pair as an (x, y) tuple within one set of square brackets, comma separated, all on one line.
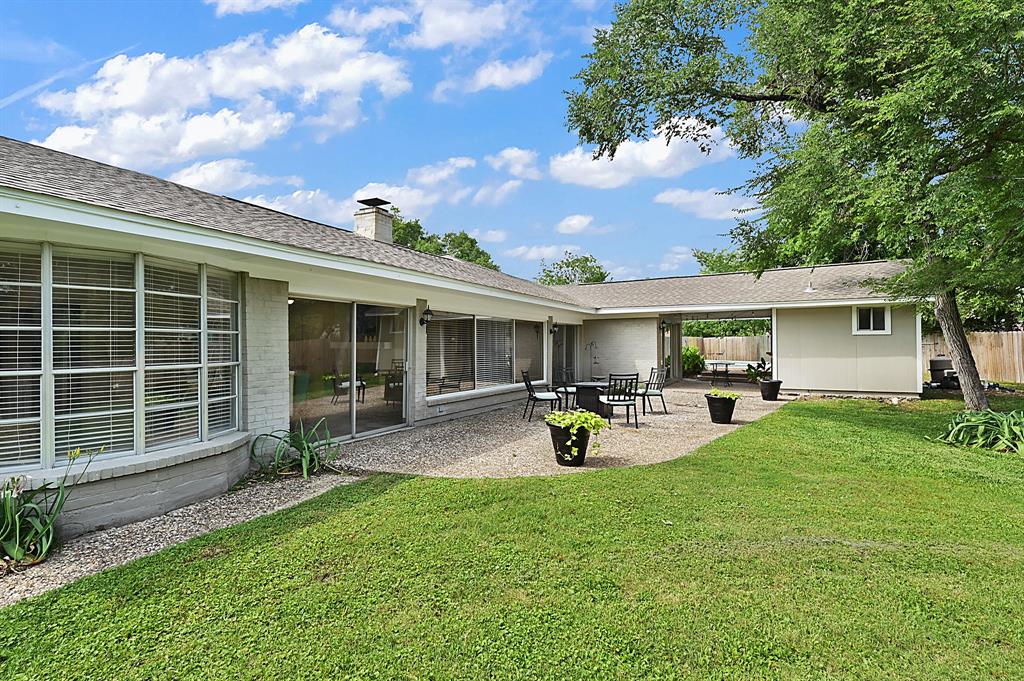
[(428, 314), (554, 329)]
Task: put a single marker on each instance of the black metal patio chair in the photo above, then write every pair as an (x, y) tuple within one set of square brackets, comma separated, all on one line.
[(655, 388), (565, 386), (533, 396), (621, 392)]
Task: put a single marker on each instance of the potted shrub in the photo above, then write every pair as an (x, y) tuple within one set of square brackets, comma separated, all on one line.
[(721, 405), (761, 373), (570, 434), (691, 361)]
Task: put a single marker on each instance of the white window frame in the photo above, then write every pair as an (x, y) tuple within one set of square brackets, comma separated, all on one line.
[(887, 331), (47, 458)]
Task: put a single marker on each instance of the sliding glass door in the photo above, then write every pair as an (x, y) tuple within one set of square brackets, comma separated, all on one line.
[(565, 350), (348, 366)]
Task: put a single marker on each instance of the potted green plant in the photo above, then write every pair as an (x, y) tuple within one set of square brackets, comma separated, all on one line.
[(570, 434), (721, 404), (761, 373)]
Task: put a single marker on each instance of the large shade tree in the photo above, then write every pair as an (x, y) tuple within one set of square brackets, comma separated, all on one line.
[(409, 232), (880, 128), (572, 269)]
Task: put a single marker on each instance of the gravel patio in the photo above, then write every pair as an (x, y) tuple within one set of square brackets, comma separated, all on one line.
[(501, 444)]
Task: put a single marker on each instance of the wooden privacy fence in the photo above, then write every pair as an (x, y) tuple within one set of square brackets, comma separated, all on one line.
[(999, 354), (740, 348)]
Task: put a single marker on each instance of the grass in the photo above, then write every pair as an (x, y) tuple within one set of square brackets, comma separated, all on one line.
[(829, 539)]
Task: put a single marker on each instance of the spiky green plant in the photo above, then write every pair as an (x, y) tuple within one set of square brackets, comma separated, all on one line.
[(309, 449), (999, 431)]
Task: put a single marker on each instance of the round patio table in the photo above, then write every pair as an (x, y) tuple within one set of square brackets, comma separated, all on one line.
[(587, 394)]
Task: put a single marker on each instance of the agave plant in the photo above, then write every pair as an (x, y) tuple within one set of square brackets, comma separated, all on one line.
[(310, 449), (999, 431), (28, 517)]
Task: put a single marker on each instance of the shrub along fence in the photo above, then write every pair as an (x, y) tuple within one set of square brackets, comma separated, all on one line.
[(999, 354), (739, 348)]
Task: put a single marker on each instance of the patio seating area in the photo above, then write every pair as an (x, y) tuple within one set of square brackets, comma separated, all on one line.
[(501, 444)]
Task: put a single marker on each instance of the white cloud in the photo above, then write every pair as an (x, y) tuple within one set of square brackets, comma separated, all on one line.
[(709, 204), (414, 201), (313, 204), (507, 75), (579, 224), (495, 194), (459, 23), (521, 163), (375, 19), (540, 252), (442, 171), (621, 272), (490, 236), (227, 175), (224, 7), (588, 5), (636, 160), (153, 109), (675, 258)]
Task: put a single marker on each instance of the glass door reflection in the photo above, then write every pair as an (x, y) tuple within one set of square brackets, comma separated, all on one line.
[(381, 366), (320, 364)]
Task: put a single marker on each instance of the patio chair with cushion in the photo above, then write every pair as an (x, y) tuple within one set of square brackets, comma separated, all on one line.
[(341, 387), (655, 388), (533, 396), (565, 386), (621, 392)]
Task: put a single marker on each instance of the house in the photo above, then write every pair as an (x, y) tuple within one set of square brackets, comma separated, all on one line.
[(167, 325)]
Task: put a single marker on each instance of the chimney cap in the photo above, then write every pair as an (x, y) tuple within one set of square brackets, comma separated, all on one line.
[(373, 202)]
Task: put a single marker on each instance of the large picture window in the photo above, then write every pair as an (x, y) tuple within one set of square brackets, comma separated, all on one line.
[(465, 352), (110, 351)]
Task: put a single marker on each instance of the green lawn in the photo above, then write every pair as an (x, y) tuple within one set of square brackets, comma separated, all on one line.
[(828, 539)]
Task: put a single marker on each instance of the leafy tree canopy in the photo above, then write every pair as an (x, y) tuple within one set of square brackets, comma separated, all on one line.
[(411, 234), (881, 129), (572, 269)]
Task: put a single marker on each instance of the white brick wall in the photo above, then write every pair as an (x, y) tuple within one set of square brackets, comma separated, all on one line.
[(621, 346), (266, 389)]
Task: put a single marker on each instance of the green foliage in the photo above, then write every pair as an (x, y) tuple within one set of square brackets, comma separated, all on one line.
[(310, 449), (692, 362), (998, 431), (729, 395), (411, 234), (572, 269), (719, 328), (574, 419), (762, 371), (830, 538), (28, 517), (719, 260)]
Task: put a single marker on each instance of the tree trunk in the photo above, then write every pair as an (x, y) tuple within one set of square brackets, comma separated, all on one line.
[(947, 313)]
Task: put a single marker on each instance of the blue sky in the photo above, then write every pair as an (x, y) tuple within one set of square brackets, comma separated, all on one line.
[(452, 109)]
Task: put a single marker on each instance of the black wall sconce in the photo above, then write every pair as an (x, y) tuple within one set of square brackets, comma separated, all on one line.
[(554, 329), (428, 314), (664, 325)]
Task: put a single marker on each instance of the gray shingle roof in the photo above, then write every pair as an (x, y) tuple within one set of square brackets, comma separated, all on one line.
[(831, 282), (44, 171)]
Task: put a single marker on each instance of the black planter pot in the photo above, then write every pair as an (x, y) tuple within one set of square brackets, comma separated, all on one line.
[(721, 408), (770, 390), (560, 438)]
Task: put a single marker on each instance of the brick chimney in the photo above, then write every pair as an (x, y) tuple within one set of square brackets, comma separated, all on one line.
[(373, 220)]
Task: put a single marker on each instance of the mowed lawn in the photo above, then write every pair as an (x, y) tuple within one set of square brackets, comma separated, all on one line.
[(829, 539)]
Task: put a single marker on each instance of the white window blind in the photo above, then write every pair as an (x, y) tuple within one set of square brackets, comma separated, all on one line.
[(221, 350), (450, 343), (173, 354), (94, 359), (529, 350), (21, 366), (493, 352)]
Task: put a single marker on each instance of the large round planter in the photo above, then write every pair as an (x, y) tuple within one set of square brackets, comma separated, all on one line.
[(560, 437), (770, 390), (721, 408)]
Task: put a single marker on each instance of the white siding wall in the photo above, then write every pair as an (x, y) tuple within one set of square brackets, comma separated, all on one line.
[(818, 351), (621, 346)]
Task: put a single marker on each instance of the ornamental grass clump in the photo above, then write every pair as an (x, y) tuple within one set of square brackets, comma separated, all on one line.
[(998, 431), (309, 450), (28, 517)]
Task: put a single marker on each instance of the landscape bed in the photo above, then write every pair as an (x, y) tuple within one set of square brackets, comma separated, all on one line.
[(828, 538)]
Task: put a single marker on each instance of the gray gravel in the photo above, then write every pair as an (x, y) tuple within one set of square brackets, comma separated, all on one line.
[(104, 549), (500, 444)]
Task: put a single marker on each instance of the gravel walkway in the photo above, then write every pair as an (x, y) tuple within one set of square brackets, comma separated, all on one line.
[(98, 551), (500, 444)]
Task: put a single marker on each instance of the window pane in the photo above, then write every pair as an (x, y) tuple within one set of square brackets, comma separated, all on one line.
[(529, 350), (172, 426), (878, 318), (221, 315), (171, 312), (91, 307), (380, 364), (320, 361), (111, 433), (20, 350), (221, 284), (20, 305), (82, 393), (221, 348), (171, 277), (93, 349), (104, 270), (19, 444), (864, 319), (172, 348), (221, 416), (220, 382), (20, 397), (172, 386), (493, 352), (450, 361), (20, 263)]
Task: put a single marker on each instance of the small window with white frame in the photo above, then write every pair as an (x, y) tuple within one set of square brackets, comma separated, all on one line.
[(872, 320)]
